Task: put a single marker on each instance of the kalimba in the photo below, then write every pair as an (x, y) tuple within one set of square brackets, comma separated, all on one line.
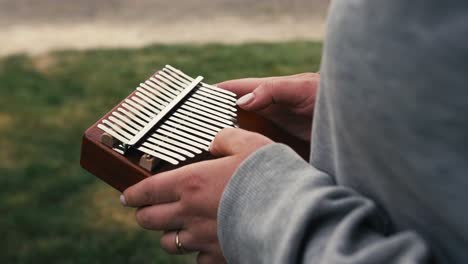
[(168, 121)]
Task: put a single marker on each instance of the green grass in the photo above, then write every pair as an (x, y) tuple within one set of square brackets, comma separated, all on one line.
[(51, 209)]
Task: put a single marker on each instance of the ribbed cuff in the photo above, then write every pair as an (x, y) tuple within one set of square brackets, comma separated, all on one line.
[(250, 182)]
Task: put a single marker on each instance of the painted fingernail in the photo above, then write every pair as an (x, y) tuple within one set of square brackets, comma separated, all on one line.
[(246, 99), (123, 201)]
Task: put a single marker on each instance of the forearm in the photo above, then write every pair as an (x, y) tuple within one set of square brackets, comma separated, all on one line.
[(279, 209)]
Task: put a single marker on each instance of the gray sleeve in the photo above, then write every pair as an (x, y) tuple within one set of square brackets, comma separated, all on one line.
[(279, 209)]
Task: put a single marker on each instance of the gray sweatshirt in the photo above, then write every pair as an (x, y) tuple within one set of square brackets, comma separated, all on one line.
[(387, 180)]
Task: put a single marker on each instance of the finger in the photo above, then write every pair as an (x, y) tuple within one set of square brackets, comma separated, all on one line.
[(231, 141), (243, 86), (156, 189), (168, 242), (247, 85), (295, 93), (160, 217)]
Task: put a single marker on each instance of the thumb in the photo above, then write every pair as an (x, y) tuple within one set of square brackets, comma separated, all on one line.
[(232, 141), (243, 86), (289, 92)]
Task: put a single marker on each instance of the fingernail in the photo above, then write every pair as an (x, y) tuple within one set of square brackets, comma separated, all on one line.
[(246, 99), (123, 201)]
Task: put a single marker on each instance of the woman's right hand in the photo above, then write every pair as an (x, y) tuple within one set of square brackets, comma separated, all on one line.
[(287, 101)]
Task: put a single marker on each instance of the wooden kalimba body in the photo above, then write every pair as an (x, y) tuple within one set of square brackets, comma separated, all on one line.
[(169, 121)]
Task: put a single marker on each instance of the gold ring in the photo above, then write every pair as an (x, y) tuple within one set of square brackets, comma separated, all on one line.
[(178, 243)]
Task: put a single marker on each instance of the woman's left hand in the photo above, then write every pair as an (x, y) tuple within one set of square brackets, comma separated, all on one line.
[(184, 202)]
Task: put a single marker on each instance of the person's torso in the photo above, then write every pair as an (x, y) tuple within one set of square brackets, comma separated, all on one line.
[(392, 114)]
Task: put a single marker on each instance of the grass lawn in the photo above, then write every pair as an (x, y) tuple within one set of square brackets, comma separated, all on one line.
[(52, 211)]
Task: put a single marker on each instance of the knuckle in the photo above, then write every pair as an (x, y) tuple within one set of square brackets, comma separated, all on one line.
[(192, 183), (143, 218), (268, 86), (165, 244), (257, 140), (147, 194), (309, 83), (214, 148), (221, 136), (140, 194), (253, 137), (239, 137), (226, 132)]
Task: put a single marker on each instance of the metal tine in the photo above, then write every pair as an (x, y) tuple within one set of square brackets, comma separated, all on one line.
[(151, 95), (159, 104), (168, 83), (216, 108), (217, 98), (204, 119), (207, 109), (171, 78), (190, 130), (140, 108), (197, 122), (181, 139), (171, 147), (166, 111), (215, 103), (176, 143), (117, 129), (179, 73), (209, 86), (153, 110), (190, 79), (158, 89), (200, 112), (176, 75), (112, 133), (187, 135), (127, 121), (136, 112), (158, 155), (132, 117), (161, 85), (191, 125), (210, 93), (123, 125), (164, 151), (202, 95), (225, 96)]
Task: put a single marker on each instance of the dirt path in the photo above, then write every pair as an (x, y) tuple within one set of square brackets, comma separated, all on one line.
[(26, 27)]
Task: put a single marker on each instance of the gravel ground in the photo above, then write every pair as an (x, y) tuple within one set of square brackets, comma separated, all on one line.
[(33, 27)]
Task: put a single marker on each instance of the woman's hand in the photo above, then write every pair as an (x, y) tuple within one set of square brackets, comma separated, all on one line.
[(186, 200), (288, 101)]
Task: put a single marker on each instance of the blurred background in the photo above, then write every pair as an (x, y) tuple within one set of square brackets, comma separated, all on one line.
[(36, 26), (65, 63)]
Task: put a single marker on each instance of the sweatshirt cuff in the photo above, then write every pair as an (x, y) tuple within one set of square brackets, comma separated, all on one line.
[(251, 182)]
